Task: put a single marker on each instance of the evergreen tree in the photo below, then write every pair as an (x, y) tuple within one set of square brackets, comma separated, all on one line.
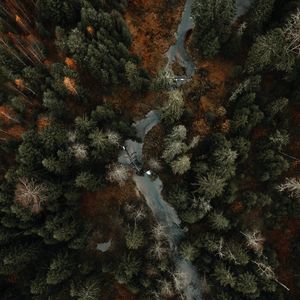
[(60, 269), (213, 20), (188, 251), (269, 52), (181, 165), (210, 185), (246, 284), (134, 237), (174, 106), (218, 221), (224, 276)]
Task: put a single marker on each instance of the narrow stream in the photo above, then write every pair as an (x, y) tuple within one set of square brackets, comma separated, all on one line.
[(150, 188), (164, 213), (177, 52)]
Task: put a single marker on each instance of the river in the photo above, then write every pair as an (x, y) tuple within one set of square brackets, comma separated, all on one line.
[(151, 189)]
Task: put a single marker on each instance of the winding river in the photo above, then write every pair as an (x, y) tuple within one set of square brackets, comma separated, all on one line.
[(150, 188)]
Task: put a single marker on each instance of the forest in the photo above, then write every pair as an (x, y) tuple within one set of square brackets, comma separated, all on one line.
[(131, 170)]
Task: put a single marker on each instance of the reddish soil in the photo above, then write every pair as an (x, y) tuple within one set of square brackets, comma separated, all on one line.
[(133, 105), (12, 128), (123, 293), (282, 239), (152, 25), (95, 205), (219, 71)]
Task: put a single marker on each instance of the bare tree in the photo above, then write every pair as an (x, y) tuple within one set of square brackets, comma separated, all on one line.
[(159, 232), (292, 186), (267, 272), (204, 285), (181, 280), (254, 240), (30, 194), (292, 33), (139, 214), (166, 288), (220, 251), (158, 250), (118, 173)]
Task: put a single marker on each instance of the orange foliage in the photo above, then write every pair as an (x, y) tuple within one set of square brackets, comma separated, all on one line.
[(5, 112), (18, 19), (152, 25), (225, 126), (71, 63), (16, 131), (201, 127), (20, 84), (90, 30), (42, 123), (70, 85)]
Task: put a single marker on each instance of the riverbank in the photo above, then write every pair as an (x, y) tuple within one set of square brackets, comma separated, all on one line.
[(152, 25)]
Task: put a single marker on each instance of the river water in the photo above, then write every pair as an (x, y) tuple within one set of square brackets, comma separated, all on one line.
[(151, 189), (163, 212)]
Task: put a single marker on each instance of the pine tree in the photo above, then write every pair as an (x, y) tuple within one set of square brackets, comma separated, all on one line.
[(246, 284), (118, 173), (188, 251), (210, 185), (128, 267), (224, 275), (134, 237), (259, 13), (60, 269), (88, 181), (181, 165), (89, 289), (269, 52), (174, 143), (218, 221), (213, 20), (173, 107)]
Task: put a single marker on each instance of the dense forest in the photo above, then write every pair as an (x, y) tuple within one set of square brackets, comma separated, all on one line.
[(73, 80)]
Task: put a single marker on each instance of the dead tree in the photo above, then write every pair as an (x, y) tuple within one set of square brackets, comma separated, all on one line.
[(267, 272), (292, 33), (30, 194)]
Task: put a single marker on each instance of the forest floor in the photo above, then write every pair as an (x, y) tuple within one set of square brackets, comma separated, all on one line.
[(153, 25)]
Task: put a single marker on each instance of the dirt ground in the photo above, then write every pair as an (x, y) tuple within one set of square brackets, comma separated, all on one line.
[(152, 25)]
